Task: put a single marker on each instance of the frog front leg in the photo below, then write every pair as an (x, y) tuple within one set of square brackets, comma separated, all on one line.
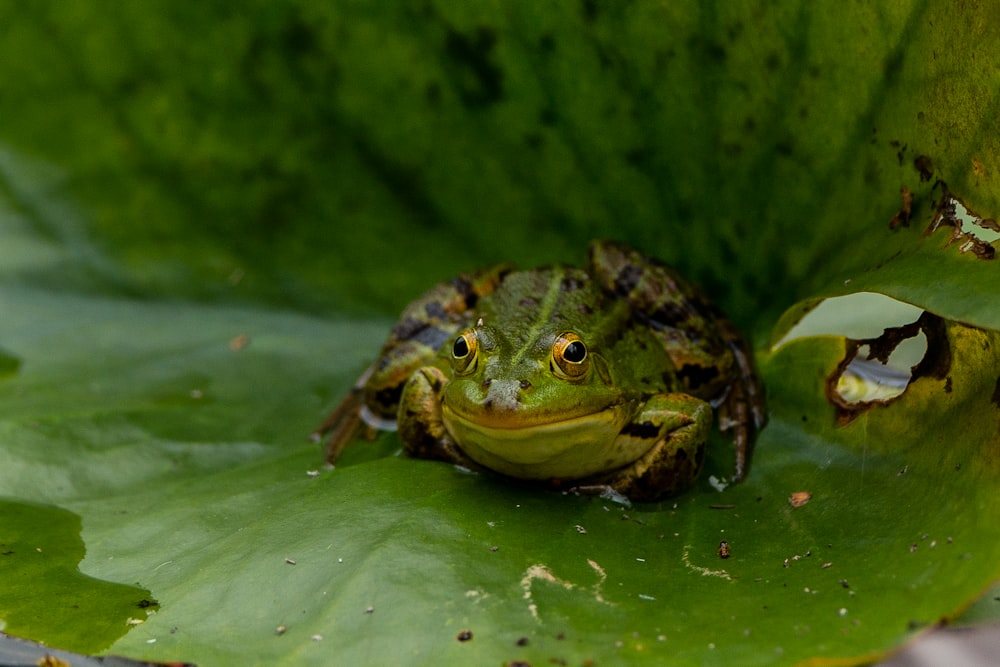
[(675, 429), (425, 324), (421, 429)]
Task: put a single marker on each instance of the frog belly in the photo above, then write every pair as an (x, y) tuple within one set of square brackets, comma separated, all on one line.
[(568, 449)]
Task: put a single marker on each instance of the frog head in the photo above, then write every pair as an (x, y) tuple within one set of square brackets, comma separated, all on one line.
[(534, 403)]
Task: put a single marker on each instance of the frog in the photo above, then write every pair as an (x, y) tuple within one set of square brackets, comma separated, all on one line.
[(601, 379)]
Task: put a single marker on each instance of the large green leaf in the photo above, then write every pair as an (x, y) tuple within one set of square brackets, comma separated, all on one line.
[(336, 160)]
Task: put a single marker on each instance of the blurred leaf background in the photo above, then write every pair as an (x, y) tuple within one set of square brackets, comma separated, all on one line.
[(177, 175)]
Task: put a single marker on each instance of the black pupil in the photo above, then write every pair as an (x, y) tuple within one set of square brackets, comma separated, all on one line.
[(461, 348), (575, 352)]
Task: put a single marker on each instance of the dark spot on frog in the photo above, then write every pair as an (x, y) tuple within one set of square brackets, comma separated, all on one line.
[(464, 289), (584, 308), (407, 328), (525, 385), (487, 382), (627, 279), (432, 337), (435, 311), (481, 82), (389, 397), (923, 165), (528, 302), (644, 430), (695, 376), (571, 284)]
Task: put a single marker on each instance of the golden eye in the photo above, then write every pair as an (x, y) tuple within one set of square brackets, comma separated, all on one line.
[(464, 351), (570, 359)]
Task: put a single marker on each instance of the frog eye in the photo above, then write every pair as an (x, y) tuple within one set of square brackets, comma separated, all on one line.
[(464, 352), (570, 359)]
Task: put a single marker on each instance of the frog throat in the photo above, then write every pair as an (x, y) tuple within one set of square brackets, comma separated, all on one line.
[(570, 448)]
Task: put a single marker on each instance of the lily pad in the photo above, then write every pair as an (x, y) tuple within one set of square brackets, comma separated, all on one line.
[(204, 240), (45, 596)]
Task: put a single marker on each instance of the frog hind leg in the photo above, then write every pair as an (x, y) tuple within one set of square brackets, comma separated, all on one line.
[(742, 408), (678, 426), (421, 429), (713, 361)]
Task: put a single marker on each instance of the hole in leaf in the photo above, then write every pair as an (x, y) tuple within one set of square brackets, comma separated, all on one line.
[(971, 231), (888, 344)]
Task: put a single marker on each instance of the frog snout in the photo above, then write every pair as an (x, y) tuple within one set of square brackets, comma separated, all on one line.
[(504, 395)]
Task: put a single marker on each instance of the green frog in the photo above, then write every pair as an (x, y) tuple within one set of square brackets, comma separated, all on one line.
[(600, 379)]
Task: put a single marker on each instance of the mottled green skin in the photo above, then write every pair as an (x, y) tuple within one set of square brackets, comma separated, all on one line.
[(632, 416)]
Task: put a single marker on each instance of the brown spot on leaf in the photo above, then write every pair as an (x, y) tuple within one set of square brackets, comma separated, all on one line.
[(924, 167), (902, 217), (977, 168)]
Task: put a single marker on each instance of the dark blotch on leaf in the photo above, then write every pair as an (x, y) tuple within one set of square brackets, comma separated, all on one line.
[(548, 117), (481, 83), (923, 165)]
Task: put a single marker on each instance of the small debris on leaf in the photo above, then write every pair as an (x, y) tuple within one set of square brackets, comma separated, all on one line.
[(280, 630), (724, 549), (580, 529), (239, 342), (464, 635), (290, 561), (799, 498)]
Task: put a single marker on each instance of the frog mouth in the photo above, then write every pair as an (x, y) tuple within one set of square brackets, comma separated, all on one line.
[(566, 448)]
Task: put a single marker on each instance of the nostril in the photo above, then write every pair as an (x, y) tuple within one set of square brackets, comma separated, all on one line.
[(487, 382), (525, 384)]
